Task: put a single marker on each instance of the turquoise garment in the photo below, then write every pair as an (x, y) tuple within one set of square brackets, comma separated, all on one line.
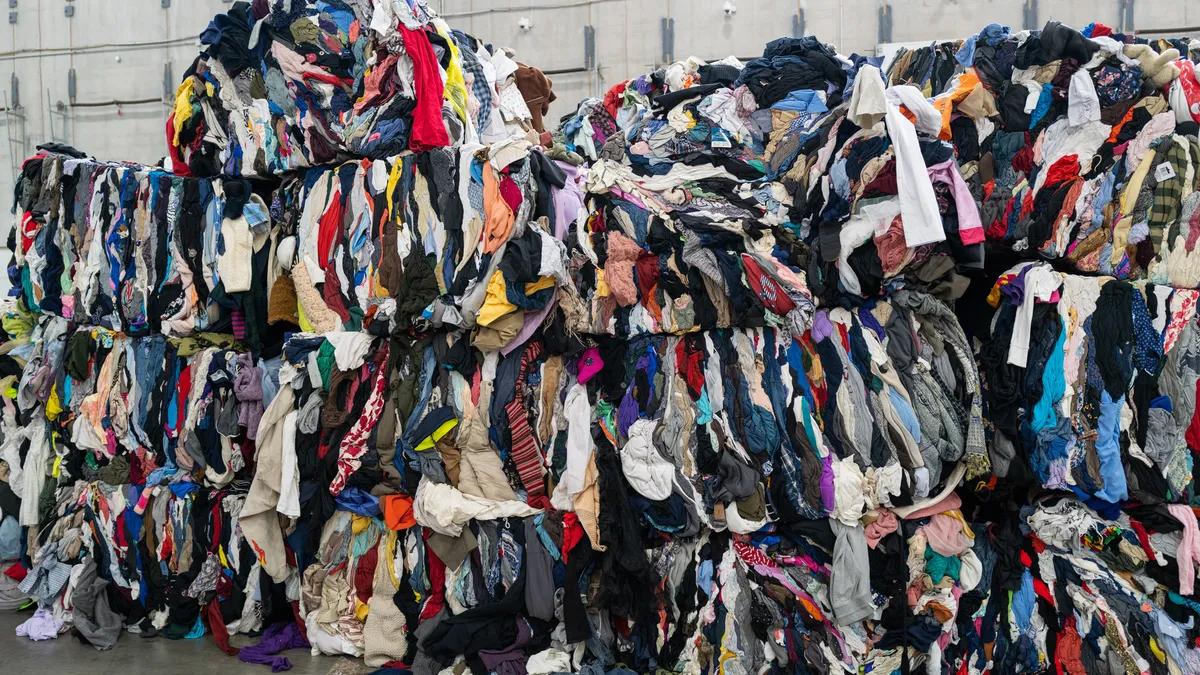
[(1054, 384), (938, 566)]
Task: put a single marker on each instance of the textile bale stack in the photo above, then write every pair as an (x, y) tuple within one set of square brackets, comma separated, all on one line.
[(864, 173), (678, 387)]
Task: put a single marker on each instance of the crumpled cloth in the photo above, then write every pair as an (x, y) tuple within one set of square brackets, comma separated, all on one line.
[(276, 639), (41, 626), (884, 525), (93, 617)]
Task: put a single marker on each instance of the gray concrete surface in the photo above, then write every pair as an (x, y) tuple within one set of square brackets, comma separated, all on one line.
[(134, 655)]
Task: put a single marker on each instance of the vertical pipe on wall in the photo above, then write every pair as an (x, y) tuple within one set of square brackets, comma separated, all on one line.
[(71, 69), (41, 77)]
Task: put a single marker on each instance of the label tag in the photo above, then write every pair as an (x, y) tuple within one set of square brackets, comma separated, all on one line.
[(1164, 172), (720, 139)]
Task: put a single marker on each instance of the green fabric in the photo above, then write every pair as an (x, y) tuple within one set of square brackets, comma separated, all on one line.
[(939, 566), (325, 363), (305, 31), (1168, 193)]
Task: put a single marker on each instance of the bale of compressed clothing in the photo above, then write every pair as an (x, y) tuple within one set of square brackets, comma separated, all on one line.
[(137, 249), (128, 459), (735, 182), (152, 559), (472, 236), (1085, 590), (488, 468), (283, 86), (1050, 142), (1089, 385)]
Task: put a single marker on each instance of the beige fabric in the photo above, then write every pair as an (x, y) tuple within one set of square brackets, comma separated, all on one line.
[(259, 520), (587, 504), (480, 471), (322, 319), (384, 632)]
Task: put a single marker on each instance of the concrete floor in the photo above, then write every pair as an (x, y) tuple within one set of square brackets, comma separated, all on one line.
[(135, 655)]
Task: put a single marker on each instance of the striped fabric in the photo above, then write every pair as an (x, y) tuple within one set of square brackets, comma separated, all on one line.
[(525, 451)]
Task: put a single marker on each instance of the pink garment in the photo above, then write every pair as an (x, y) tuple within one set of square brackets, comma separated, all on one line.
[(970, 228), (945, 535), (623, 253), (884, 525), (1189, 547), (951, 502), (590, 363)]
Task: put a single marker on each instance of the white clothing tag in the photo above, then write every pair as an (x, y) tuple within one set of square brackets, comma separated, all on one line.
[(1164, 172), (720, 139)]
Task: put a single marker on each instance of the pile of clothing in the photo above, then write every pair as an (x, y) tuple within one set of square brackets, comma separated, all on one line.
[(690, 385), (300, 83), (127, 464), (470, 237), (592, 450), (787, 159), (152, 560), (137, 249)]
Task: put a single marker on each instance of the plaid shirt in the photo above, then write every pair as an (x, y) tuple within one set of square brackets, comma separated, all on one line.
[(1169, 192), (479, 83)]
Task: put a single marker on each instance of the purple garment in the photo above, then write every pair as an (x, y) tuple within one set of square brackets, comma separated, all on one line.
[(533, 321), (868, 320), (827, 489), (41, 626), (968, 212), (512, 659), (821, 327), (567, 201), (277, 638), (1015, 289)]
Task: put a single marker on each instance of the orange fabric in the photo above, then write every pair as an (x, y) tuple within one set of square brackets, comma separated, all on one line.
[(500, 216), (398, 511), (945, 102)]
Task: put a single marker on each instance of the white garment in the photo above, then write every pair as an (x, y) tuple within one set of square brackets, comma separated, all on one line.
[(918, 203), (349, 349), (33, 471), (324, 643), (1040, 283), (289, 470), (445, 510), (647, 471), (928, 118), (868, 103), (1082, 103), (578, 411), (849, 501), (859, 230), (549, 661), (739, 525)]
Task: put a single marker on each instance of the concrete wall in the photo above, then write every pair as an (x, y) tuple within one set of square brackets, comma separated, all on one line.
[(119, 49)]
